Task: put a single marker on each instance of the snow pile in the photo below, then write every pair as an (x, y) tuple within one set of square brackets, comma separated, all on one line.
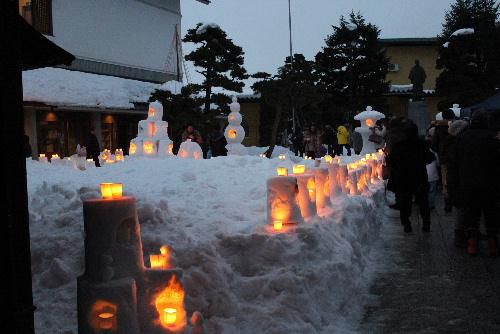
[(213, 214), (464, 31), (204, 27), (351, 26), (56, 86), (447, 44)]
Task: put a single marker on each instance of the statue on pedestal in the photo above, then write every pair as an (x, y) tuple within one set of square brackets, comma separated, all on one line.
[(417, 77)]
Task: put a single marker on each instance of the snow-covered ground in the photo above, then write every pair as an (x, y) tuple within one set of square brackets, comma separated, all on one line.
[(242, 278)]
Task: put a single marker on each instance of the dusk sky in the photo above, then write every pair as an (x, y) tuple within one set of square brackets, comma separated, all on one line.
[(261, 26)]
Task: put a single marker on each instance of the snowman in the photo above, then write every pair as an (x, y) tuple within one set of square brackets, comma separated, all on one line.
[(368, 119), (234, 132)]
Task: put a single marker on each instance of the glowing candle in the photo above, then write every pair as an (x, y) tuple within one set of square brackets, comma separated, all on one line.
[(282, 171), (106, 190), (42, 155), (282, 157), (117, 190), (299, 169), (328, 159), (158, 261), (278, 225), (170, 316), (106, 320)]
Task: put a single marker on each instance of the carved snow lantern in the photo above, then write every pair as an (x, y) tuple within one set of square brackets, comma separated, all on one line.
[(322, 187), (299, 169), (282, 171), (119, 155), (169, 304), (42, 158), (234, 132), (282, 208), (190, 150), (368, 119)]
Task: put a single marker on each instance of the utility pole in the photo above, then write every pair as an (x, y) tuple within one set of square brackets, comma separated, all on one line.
[(291, 60)]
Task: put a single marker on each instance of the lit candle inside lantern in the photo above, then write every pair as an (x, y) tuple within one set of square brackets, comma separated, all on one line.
[(299, 169), (170, 316), (158, 261), (171, 149), (278, 225), (282, 171), (282, 157), (106, 190), (148, 147), (232, 133), (117, 190), (328, 159), (42, 155), (133, 148), (106, 320)]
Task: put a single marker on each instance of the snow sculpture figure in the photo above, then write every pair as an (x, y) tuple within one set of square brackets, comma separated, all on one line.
[(234, 132), (152, 135), (368, 119)]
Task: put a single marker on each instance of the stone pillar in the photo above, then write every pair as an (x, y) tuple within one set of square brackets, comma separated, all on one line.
[(419, 114)]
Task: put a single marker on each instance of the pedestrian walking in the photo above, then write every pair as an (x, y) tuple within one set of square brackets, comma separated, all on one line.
[(343, 139), (474, 172), (407, 161), (356, 142), (217, 142), (92, 147), (330, 140), (312, 142)]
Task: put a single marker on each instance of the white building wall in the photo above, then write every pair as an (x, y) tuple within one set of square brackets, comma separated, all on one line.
[(130, 33)]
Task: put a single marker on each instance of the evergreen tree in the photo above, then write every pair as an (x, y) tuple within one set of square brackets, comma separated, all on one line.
[(470, 63), (219, 58), (352, 67)]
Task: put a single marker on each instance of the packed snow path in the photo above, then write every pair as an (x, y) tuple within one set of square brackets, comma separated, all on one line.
[(432, 287)]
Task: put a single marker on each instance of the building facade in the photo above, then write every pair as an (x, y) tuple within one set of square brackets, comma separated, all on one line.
[(133, 40)]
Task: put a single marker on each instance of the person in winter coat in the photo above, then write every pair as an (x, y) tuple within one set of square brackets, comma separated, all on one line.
[(343, 139), (460, 238), (217, 142), (330, 139), (192, 134), (407, 161), (92, 146), (312, 142), (474, 174), (438, 144), (356, 142), (298, 142), (27, 147)]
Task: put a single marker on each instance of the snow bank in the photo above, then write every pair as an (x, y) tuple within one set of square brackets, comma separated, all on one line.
[(464, 31), (203, 28), (57, 86), (213, 214)]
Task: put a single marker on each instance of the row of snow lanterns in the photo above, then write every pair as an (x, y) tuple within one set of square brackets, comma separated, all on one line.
[(298, 196), (169, 302)]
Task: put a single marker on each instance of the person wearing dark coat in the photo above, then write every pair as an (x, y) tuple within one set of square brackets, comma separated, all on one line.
[(217, 142), (455, 129), (439, 142), (27, 147), (92, 146), (356, 142), (474, 172), (330, 139), (298, 142), (407, 161)]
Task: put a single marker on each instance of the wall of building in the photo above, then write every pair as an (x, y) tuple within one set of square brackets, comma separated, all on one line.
[(251, 116), (405, 56), (125, 33)]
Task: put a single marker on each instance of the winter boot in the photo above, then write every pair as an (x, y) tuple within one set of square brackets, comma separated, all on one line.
[(472, 246), (493, 246), (460, 240)]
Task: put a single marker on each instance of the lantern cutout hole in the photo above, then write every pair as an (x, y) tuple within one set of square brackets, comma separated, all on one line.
[(232, 133)]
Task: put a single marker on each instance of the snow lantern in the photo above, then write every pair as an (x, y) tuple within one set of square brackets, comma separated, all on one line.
[(282, 171), (234, 132), (119, 155), (117, 293), (282, 208), (368, 119), (152, 134), (322, 187), (42, 158), (190, 150), (162, 260), (299, 169), (342, 175), (55, 159), (307, 191)]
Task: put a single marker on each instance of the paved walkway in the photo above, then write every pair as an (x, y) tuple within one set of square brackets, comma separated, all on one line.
[(430, 286)]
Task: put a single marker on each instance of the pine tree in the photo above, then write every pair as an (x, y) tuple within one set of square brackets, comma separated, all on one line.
[(470, 63), (219, 58), (352, 67)]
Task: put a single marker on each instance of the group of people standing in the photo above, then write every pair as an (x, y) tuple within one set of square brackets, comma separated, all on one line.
[(464, 157), (315, 143)]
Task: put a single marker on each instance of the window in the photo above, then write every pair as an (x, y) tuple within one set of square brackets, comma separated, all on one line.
[(38, 13), (393, 67)]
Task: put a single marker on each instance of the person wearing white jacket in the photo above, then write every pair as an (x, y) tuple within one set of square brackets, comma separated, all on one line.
[(433, 179)]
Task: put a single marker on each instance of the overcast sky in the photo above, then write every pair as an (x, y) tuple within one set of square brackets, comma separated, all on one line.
[(261, 26)]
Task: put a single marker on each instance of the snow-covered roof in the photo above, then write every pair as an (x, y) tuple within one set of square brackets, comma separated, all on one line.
[(57, 86), (407, 89), (172, 86), (464, 31)]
